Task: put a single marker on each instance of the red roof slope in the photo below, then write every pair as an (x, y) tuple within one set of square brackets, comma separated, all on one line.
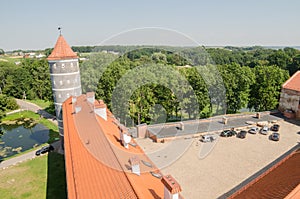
[(278, 183), (97, 165), (293, 83), (62, 50)]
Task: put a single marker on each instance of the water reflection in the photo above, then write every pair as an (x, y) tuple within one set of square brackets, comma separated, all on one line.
[(17, 138)]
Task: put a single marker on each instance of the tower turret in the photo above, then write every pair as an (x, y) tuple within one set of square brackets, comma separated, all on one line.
[(65, 77)]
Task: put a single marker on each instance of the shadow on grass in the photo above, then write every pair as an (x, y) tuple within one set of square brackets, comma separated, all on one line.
[(56, 177)]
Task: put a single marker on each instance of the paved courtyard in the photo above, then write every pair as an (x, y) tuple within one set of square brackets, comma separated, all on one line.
[(208, 170)]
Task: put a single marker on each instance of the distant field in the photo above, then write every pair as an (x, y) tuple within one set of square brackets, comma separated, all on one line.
[(10, 59), (42, 177)]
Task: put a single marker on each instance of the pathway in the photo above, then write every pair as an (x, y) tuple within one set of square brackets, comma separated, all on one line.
[(25, 156), (25, 105)]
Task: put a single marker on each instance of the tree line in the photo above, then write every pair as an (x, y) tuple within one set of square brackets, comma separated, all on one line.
[(250, 79), (216, 80)]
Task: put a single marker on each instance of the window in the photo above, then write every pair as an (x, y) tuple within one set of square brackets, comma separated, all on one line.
[(72, 64), (62, 65), (59, 95), (68, 81), (61, 82)]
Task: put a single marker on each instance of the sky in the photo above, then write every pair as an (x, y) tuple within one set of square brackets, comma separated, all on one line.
[(32, 24)]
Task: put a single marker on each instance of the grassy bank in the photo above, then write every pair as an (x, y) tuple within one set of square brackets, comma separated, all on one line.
[(42, 177), (41, 103)]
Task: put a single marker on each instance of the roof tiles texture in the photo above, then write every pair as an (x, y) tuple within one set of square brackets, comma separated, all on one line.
[(62, 50), (293, 83), (97, 165), (278, 183)]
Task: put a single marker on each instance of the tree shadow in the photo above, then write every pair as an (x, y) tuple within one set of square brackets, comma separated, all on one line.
[(292, 121), (56, 177)]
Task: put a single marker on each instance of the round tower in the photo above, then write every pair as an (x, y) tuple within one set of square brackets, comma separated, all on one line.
[(65, 77)]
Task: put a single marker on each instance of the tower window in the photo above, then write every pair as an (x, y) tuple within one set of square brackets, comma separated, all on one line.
[(71, 64), (61, 82), (59, 95), (62, 65), (68, 81), (54, 66)]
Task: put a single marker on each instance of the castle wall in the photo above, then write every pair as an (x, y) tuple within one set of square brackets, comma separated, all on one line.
[(289, 100)]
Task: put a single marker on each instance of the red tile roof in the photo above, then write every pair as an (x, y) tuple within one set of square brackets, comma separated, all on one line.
[(278, 183), (97, 165), (62, 50), (293, 83)]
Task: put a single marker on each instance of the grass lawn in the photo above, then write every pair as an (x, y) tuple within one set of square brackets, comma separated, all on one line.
[(41, 103), (42, 177)]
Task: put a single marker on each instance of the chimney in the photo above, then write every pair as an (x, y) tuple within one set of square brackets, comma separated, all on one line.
[(74, 99), (172, 188), (100, 109), (90, 97), (126, 140), (77, 109), (135, 165)]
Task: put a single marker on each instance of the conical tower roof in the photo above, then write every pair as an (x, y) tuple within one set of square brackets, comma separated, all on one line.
[(62, 50)]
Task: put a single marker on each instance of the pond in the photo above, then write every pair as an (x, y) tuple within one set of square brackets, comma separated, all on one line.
[(18, 138)]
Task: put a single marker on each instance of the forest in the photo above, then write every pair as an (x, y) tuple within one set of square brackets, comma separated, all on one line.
[(146, 84)]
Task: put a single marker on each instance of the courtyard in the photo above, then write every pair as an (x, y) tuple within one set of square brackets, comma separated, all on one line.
[(208, 170)]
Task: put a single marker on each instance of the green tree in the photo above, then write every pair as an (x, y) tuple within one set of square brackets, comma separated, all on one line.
[(279, 58), (237, 81), (265, 91)]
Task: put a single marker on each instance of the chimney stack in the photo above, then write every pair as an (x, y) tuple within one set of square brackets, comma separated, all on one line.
[(77, 109), (90, 97), (100, 109), (135, 165), (172, 187)]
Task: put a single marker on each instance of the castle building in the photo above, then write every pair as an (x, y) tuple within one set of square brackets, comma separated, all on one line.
[(289, 102), (65, 77)]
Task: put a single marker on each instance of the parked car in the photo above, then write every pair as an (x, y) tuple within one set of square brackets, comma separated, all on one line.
[(275, 136), (227, 133), (44, 149), (242, 134), (209, 138), (253, 130), (264, 130), (275, 127)]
